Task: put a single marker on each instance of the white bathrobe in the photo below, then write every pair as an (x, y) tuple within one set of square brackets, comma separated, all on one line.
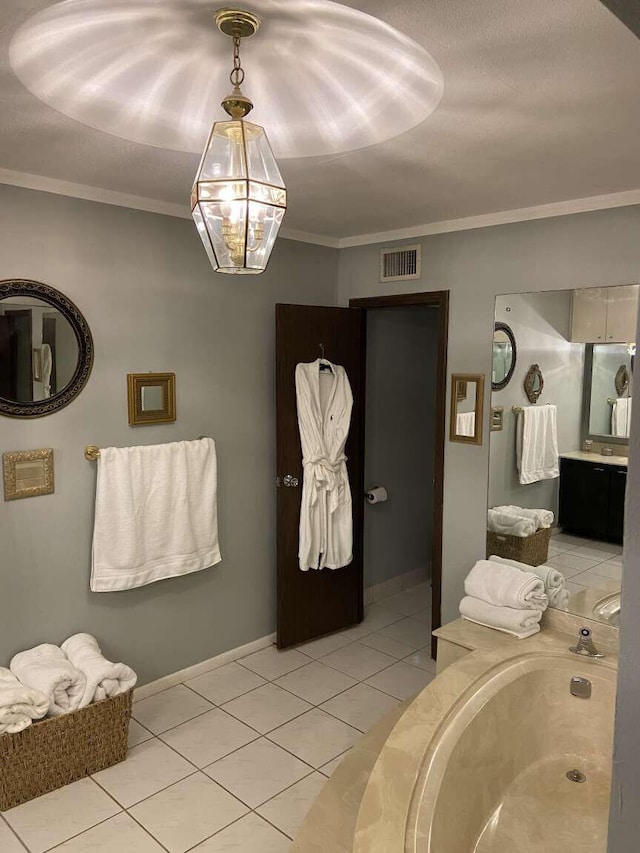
[(324, 402)]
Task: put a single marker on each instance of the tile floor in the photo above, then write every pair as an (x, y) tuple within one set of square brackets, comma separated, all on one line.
[(233, 759), (585, 562)]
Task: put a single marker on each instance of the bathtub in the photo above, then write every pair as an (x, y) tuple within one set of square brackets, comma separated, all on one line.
[(479, 762)]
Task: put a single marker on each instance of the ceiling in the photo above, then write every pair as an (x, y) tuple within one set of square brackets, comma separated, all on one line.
[(540, 106)]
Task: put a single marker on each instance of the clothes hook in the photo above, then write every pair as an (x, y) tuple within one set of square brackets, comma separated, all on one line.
[(321, 350)]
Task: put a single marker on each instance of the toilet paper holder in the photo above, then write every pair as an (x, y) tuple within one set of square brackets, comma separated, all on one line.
[(376, 495)]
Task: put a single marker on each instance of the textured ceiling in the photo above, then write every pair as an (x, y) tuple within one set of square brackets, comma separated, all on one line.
[(540, 105)]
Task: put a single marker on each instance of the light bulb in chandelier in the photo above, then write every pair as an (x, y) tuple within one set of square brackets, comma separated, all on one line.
[(238, 200)]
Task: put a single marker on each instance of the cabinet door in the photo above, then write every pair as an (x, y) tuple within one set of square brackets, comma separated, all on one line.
[(584, 498), (589, 315), (622, 312), (616, 504)]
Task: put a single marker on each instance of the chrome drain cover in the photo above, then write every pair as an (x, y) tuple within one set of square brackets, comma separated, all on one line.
[(576, 776)]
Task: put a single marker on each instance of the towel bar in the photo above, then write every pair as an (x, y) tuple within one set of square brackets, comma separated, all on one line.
[(92, 453), (518, 410)]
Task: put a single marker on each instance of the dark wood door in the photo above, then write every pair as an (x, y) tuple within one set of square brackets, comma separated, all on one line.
[(584, 498), (313, 603), (617, 489), (6, 386)]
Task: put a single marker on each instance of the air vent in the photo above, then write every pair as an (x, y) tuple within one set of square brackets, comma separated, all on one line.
[(400, 263)]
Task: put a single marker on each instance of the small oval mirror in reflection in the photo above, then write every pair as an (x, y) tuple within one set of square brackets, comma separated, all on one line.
[(504, 356), (46, 350)]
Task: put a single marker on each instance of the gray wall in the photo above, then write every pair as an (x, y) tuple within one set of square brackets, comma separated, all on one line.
[(401, 362), (153, 303), (624, 817), (584, 250), (541, 323)]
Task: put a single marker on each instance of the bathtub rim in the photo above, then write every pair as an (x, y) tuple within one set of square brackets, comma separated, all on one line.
[(387, 818)]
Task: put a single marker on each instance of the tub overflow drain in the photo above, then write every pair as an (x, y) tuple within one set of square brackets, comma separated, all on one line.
[(576, 776)]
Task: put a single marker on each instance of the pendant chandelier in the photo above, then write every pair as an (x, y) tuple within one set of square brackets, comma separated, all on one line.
[(238, 200)]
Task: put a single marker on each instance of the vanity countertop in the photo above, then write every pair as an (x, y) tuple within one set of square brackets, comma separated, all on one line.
[(597, 458)]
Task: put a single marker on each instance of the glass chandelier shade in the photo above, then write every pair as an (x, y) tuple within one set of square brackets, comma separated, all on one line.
[(238, 199)]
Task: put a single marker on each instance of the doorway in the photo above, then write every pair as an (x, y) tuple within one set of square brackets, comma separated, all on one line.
[(405, 413)]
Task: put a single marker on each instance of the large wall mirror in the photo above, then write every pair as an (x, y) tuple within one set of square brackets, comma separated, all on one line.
[(46, 349), (563, 449)]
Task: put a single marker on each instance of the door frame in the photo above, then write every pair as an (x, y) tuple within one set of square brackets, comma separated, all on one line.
[(438, 299)]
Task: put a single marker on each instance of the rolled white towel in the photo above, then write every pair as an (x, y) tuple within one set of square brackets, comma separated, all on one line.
[(551, 578), (518, 623), (104, 678), (19, 705), (506, 586), (510, 525), (542, 517), (46, 668), (559, 599)]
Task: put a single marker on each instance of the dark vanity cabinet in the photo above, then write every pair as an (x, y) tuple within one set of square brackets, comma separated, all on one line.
[(592, 499)]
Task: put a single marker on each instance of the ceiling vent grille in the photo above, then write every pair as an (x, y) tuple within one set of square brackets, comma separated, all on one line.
[(400, 263)]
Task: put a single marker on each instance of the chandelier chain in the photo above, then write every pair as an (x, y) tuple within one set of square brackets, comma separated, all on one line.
[(237, 74)]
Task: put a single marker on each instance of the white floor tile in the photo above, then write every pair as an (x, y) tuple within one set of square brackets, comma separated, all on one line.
[(358, 661), (288, 809), (271, 664), (148, 769), (387, 645), (209, 737), (137, 733), (597, 554), (356, 632), (407, 602), (169, 708), (568, 539), (424, 616), (324, 645), (332, 765), (266, 708), (360, 706), (258, 772), (422, 659), (315, 737), (119, 834), (8, 842), (316, 682), (572, 588), (565, 570), (592, 579), (572, 560), (225, 683), (378, 616), (56, 817), (250, 834), (609, 570), (409, 631), (401, 680), (188, 812)]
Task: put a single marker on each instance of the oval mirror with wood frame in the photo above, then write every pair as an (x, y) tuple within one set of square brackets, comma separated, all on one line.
[(504, 356), (46, 349), (533, 383)]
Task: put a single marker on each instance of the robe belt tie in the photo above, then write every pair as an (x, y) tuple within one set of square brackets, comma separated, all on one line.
[(325, 478)]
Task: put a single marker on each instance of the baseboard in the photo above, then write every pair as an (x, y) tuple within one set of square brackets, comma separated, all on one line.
[(175, 678), (395, 585)]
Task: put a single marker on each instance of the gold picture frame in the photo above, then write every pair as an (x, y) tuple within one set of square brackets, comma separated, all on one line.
[(151, 398), (27, 473), (472, 428)]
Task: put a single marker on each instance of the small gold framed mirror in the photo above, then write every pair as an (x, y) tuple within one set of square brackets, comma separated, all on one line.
[(27, 473), (465, 423), (152, 398)]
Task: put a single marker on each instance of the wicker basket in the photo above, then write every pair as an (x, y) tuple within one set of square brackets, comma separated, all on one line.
[(532, 550), (59, 750)]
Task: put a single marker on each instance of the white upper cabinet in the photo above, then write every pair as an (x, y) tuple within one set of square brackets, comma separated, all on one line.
[(622, 312), (604, 314)]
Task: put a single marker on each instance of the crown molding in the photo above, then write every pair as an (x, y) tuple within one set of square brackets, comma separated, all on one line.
[(136, 202), (164, 208), (505, 217)]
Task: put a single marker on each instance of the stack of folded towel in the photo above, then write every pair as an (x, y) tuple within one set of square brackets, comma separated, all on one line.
[(502, 596), (553, 580), (48, 680), (517, 520)]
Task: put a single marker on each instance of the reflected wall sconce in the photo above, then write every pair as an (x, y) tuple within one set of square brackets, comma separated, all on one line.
[(238, 200)]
